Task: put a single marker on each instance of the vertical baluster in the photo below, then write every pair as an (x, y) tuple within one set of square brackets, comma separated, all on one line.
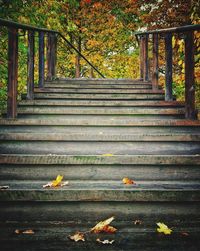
[(41, 59), (155, 62), (31, 54), (168, 67), (190, 112), (12, 72), (141, 57), (51, 55), (146, 58)]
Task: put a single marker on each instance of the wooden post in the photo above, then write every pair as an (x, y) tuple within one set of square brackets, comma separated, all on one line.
[(31, 54), (190, 112), (12, 72), (146, 58), (155, 62), (168, 67), (51, 55), (41, 59), (141, 57)]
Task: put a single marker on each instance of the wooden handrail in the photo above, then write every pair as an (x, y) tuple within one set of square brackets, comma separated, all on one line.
[(13, 28), (188, 34)]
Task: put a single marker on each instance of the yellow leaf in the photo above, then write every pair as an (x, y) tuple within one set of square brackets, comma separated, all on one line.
[(103, 226), (107, 154), (77, 237), (173, 41), (128, 181), (57, 181), (180, 62), (163, 228)]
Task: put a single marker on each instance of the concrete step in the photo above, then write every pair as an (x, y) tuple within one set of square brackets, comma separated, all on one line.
[(75, 133), (54, 236), (105, 96), (97, 172), (99, 148), (103, 103), (97, 91), (102, 191), (100, 110)]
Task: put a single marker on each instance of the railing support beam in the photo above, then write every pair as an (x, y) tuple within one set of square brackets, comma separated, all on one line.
[(51, 56), (141, 57), (190, 112), (31, 54), (155, 62), (168, 67), (146, 58), (12, 72), (41, 59)]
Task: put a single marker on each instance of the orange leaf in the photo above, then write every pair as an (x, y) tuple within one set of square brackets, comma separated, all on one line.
[(78, 236), (128, 181), (29, 231), (103, 226)]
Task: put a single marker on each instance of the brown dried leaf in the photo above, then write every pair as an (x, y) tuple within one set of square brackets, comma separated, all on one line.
[(105, 241), (28, 231), (137, 222), (4, 187), (128, 181), (103, 226), (184, 234), (17, 231), (78, 236)]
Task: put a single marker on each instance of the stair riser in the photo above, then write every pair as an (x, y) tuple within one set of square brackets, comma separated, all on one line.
[(100, 172), (99, 148), (98, 96), (101, 160), (112, 103), (100, 138), (96, 91), (86, 211), (98, 81), (101, 111), (98, 86)]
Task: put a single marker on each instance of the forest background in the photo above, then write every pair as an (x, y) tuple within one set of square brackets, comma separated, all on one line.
[(103, 30)]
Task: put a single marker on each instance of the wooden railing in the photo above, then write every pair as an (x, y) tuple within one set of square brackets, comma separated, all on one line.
[(51, 45), (187, 33)]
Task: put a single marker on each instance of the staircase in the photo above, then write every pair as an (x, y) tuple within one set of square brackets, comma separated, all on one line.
[(95, 133)]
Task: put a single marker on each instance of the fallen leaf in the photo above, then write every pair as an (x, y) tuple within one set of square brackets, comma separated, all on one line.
[(128, 181), (78, 236), (185, 234), (105, 241), (163, 228), (107, 154), (103, 226), (57, 182), (137, 222), (4, 187), (28, 231)]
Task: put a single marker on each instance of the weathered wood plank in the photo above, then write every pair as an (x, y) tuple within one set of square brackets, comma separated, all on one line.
[(41, 60), (31, 54), (155, 62), (146, 58), (168, 67), (12, 72), (190, 112)]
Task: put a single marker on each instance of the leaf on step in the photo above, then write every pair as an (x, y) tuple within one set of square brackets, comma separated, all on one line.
[(4, 187), (56, 183), (163, 228), (105, 241), (28, 231), (103, 226), (184, 234), (107, 154), (137, 222), (78, 236), (128, 181)]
